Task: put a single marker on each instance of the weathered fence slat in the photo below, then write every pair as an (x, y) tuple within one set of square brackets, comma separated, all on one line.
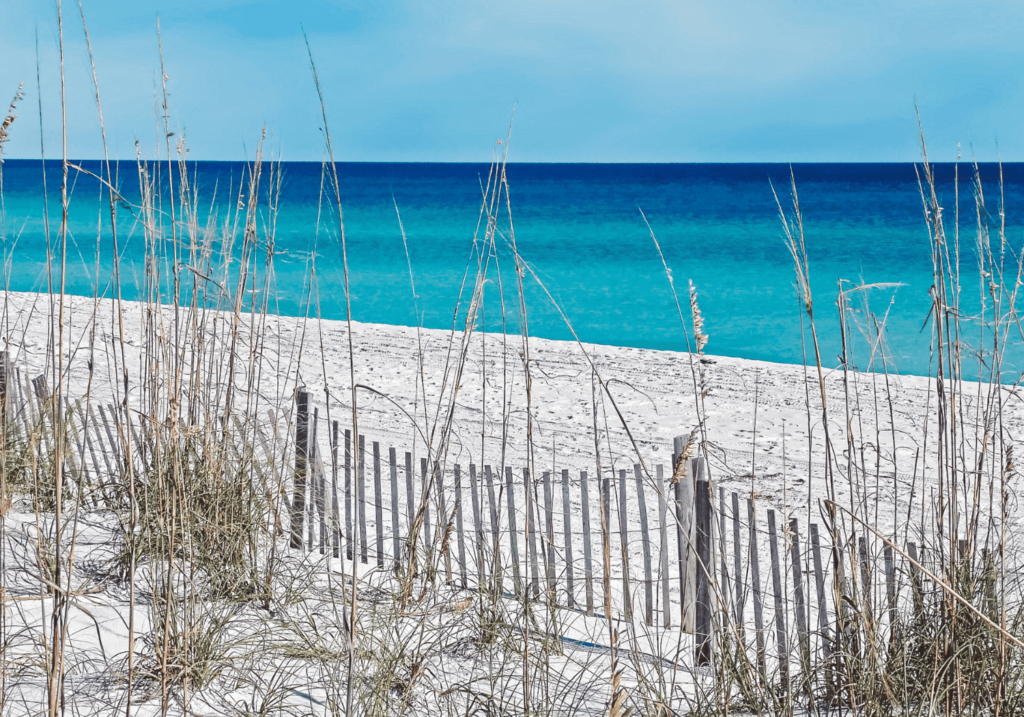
[(513, 531), (378, 504), (410, 509), (364, 549), (396, 529), (737, 555), (570, 591), (444, 521), (916, 586), (549, 539), (755, 582), (663, 576), (301, 453), (819, 583), (478, 530), (321, 484), (425, 506), (588, 560), (606, 534), (531, 531), (495, 509), (627, 593), (725, 587), (800, 606), (890, 585), (781, 637), (350, 549), (458, 526), (645, 537), (335, 510)]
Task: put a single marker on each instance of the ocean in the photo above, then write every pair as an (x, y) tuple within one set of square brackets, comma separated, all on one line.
[(579, 226)]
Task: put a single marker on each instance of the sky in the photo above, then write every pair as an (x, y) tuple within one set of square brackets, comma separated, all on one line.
[(593, 81)]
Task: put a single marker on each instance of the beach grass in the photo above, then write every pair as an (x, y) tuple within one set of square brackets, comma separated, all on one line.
[(190, 533)]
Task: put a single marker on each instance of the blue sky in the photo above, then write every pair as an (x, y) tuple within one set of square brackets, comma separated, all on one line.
[(723, 80)]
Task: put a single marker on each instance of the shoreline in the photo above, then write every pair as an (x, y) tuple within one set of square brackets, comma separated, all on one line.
[(653, 391)]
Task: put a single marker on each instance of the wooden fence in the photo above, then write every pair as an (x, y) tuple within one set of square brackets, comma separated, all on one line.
[(682, 556)]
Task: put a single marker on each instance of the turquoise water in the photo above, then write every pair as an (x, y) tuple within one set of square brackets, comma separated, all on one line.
[(580, 228)]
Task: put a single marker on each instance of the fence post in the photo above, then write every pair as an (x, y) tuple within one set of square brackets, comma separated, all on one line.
[(705, 566), (627, 593), (686, 542), (301, 454)]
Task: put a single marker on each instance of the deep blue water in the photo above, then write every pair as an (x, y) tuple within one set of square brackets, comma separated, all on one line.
[(580, 228)]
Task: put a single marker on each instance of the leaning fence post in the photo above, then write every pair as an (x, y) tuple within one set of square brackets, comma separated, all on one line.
[(301, 449)]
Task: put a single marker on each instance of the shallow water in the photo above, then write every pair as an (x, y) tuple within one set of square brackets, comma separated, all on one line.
[(580, 228)]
